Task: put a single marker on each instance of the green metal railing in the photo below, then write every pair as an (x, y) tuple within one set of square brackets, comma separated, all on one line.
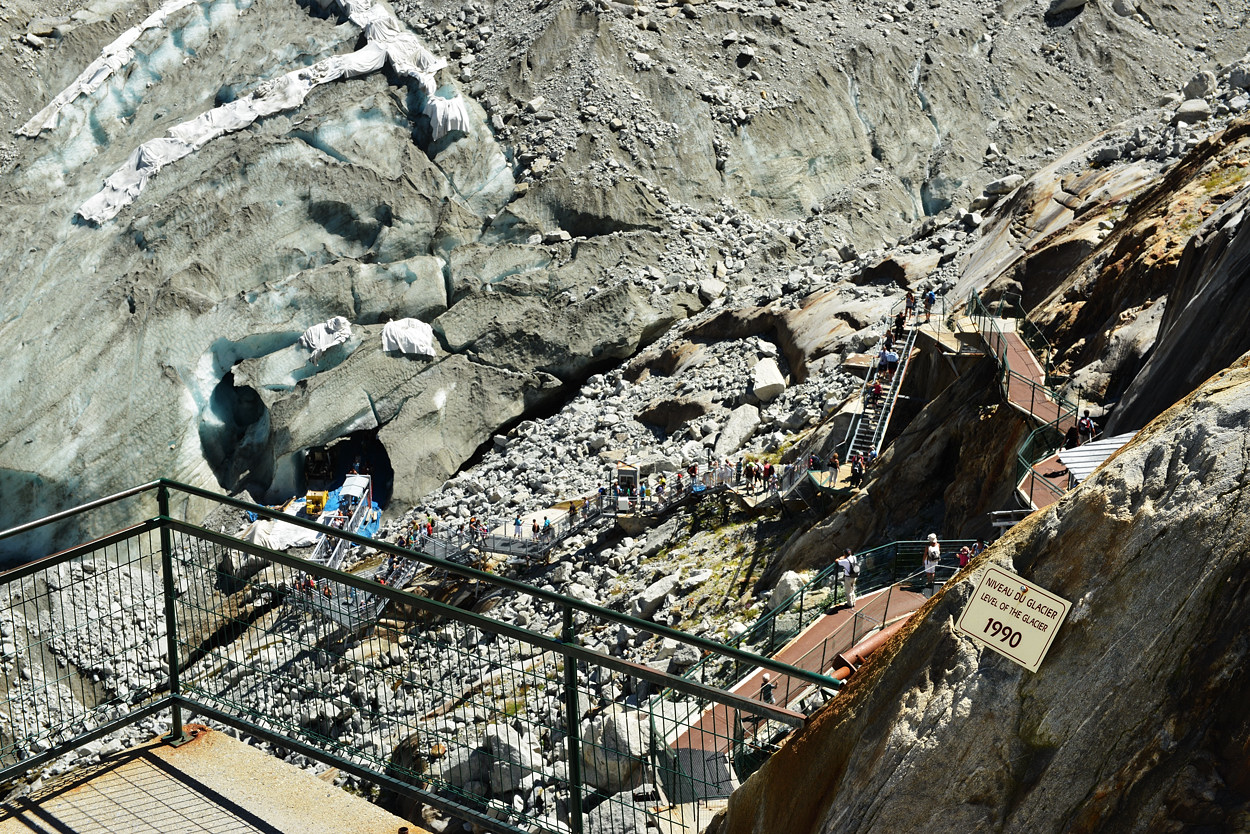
[(887, 567), (494, 723), (1048, 438)]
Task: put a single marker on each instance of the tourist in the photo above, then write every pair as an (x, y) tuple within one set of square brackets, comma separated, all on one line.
[(932, 555), (534, 530), (875, 397), (965, 556), (738, 473), (978, 548), (834, 464), (910, 305), (768, 690), (900, 323), (516, 526), (1085, 428), (929, 300), (891, 364), (849, 566)]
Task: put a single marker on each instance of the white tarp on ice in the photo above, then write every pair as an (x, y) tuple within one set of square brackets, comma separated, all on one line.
[(409, 336), (112, 58), (386, 40), (354, 486), (446, 115), (321, 337), (278, 535)]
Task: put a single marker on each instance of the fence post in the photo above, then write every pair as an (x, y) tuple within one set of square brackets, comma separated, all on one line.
[(572, 722), (177, 735)]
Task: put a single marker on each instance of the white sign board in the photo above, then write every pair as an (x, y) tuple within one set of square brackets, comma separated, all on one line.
[(1013, 617)]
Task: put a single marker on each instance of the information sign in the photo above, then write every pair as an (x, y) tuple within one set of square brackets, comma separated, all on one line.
[(1013, 617)]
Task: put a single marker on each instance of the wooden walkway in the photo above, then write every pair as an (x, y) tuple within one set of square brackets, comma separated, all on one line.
[(815, 649), (1027, 391), (1048, 471), (1030, 394)]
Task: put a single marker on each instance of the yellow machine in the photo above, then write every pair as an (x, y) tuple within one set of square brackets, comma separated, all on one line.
[(315, 501)]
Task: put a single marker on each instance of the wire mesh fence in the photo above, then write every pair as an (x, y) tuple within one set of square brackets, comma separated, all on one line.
[(509, 728), (80, 650)]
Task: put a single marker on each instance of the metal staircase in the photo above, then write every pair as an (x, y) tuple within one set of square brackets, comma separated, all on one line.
[(868, 432)]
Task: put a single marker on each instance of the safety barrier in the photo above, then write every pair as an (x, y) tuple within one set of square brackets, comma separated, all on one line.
[(1045, 440), (511, 728), (886, 567)]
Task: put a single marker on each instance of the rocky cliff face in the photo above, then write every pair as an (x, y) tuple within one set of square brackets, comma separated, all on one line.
[(1136, 721)]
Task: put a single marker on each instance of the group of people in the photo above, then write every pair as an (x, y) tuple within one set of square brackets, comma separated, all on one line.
[(933, 557), (850, 565)]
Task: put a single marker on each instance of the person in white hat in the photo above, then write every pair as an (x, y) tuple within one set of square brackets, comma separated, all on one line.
[(932, 555)]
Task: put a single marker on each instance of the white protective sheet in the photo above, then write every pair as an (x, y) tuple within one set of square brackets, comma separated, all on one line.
[(446, 115), (386, 40), (321, 337), (410, 336), (278, 535), (112, 58)]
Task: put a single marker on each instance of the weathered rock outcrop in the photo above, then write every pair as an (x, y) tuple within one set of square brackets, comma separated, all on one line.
[(1136, 720)]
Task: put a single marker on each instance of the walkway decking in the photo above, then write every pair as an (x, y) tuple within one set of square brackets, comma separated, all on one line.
[(1048, 471), (1029, 394), (1044, 484), (211, 784), (814, 649)]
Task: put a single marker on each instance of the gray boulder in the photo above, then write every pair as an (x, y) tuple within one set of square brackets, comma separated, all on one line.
[(514, 756), (1005, 185), (615, 748), (617, 816), (648, 600), (766, 380), (1192, 111), (787, 586), (742, 423), (1200, 86)]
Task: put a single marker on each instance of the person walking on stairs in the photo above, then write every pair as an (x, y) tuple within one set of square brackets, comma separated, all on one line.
[(929, 300)]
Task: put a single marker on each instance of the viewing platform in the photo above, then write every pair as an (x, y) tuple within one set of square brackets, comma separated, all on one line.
[(213, 783)]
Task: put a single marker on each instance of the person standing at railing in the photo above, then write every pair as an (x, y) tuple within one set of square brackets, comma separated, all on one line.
[(932, 555), (834, 464), (929, 300), (849, 566), (910, 305), (516, 526)]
